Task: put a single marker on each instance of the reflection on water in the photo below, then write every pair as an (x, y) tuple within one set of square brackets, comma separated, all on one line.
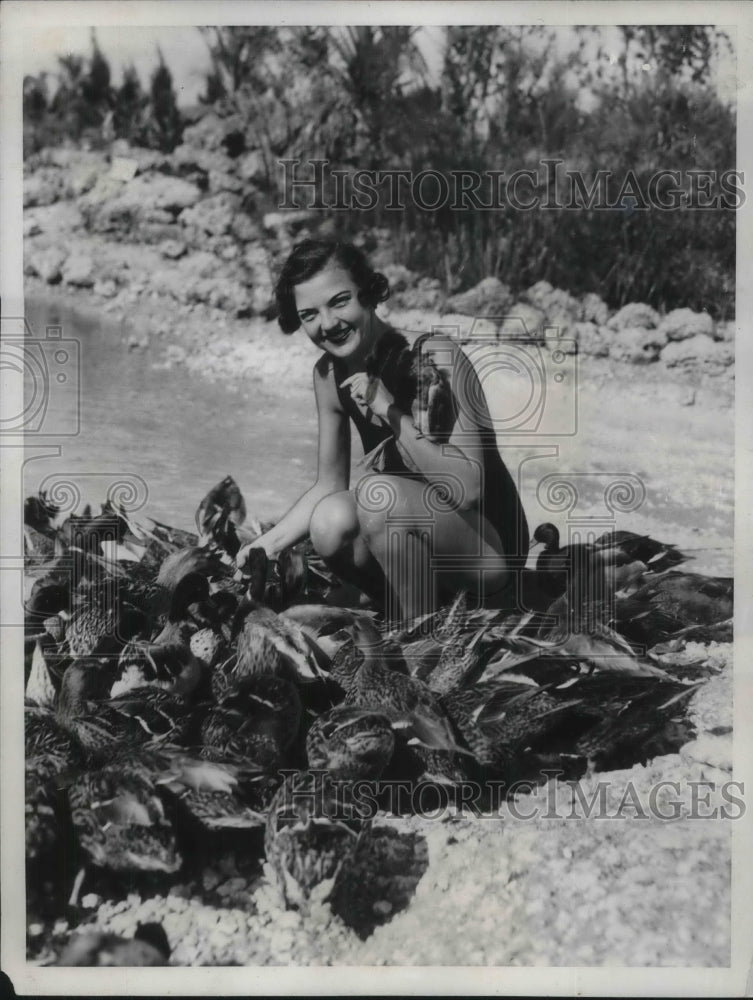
[(178, 433)]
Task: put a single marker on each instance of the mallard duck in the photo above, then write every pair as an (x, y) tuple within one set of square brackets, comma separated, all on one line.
[(92, 947), (350, 743), (217, 791), (581, 630), (312, 834), (224, 498), (101, 725), (657, 556), (51, 757), (120, 821), (257, 720), (555, 566), (269, 643), (412, 708), (675, 602)]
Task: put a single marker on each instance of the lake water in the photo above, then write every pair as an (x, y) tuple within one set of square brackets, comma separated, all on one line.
[(169, 434)]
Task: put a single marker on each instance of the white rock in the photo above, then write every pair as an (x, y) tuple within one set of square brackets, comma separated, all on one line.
[(636, 344), (635, 314), (680, 324), (78, 270)]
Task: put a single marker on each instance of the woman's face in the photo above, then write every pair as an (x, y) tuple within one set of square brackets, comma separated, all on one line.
[(331, 314)]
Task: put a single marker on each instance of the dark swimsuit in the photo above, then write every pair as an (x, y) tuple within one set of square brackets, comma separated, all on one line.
[(500, 502)]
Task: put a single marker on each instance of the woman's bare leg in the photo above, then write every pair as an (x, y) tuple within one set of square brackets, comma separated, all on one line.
[(336, 536), (427, 551), (392, 541)]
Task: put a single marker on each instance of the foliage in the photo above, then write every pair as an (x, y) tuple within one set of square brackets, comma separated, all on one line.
[(505, 98), (86, 109)]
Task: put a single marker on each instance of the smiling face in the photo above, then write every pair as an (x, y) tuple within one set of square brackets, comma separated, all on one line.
[(332, 316)]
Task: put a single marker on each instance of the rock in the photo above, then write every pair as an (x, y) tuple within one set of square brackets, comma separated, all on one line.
[(60, 219), (561, 335), (286, 223), (462, 327), (47, 264), (634, 315), (44, 187), (557, 305), (726, 331), (123, 169), (223, 293), (523, 321), (147, 198), (31, 226), (251, 167), (490, 297), (78, 270), (636, 344), (213, 132), (427, 294), (710, 749), (214, 214), (245, 228), (173, 249), (220, 180), (107, 288), (592, 340), (699, 350), (681, 324), (594, 309), (399, 277)]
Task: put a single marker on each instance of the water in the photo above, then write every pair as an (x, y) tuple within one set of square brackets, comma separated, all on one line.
[(177, 433)]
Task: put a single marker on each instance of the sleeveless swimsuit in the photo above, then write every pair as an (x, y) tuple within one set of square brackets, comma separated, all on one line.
[(500, 502)]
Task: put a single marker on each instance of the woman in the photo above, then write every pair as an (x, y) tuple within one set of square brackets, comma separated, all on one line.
[(442, 513)]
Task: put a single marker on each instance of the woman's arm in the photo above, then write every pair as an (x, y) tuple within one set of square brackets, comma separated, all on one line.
[(460, 461), (332, 473)]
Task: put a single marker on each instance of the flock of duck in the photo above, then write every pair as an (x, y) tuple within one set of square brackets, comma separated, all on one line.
[(173, 700)]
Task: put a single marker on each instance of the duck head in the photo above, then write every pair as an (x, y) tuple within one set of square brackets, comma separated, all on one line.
[(548, 535)]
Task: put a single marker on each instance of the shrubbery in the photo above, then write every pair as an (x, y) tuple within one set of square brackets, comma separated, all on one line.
[(505, 99)]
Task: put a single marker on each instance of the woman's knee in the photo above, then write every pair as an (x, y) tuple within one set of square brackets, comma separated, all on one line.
[(376, 497), (333, 523)]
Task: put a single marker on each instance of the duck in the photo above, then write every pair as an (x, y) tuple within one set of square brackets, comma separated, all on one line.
[(579, 627), (554, 565), (102, 620), (216, 791), (257, 721), (119, 819), (350, 743), (656, 556), (100, 724), (224, 499), (167, 661), (313, 833), (673, 603), (413, 709), (269, 643), (51, 756), (148, 947)]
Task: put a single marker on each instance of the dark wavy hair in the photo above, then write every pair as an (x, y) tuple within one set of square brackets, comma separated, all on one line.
[(308, 258)]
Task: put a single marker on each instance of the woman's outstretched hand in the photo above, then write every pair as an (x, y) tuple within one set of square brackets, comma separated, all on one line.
[(370, 392)]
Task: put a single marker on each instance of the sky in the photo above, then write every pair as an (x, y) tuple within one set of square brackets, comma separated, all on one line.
[(186, 54)]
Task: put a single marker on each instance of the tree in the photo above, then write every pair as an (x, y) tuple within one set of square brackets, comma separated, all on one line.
[(164, 126)]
